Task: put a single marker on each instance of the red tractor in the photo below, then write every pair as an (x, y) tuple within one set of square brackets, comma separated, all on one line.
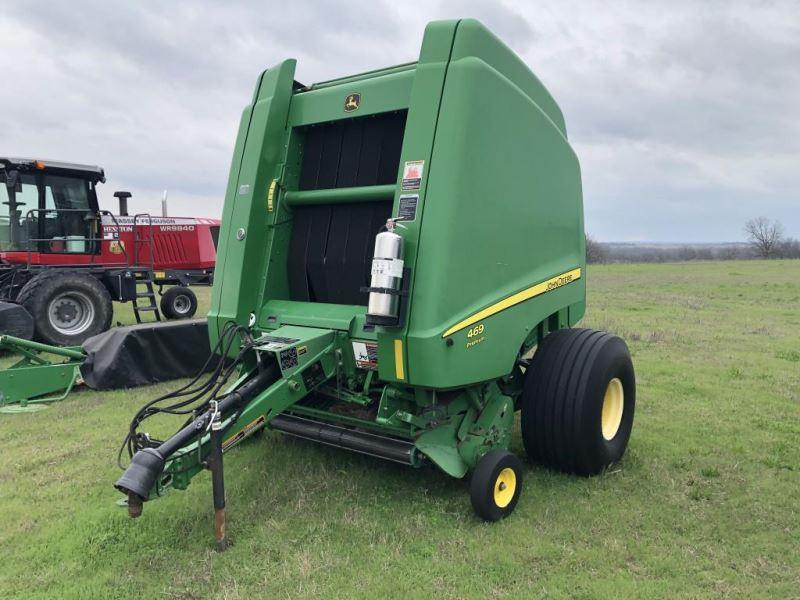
[(63, 261)]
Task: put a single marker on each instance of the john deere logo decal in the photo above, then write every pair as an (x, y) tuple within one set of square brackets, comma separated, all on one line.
[(352, 102)]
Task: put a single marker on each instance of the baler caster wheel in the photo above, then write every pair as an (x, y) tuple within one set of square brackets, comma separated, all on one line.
[(496, 485)]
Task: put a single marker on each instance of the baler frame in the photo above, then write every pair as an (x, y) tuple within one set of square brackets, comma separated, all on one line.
[(316, 173)]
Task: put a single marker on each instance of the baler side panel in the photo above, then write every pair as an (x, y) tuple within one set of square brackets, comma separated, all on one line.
[(246, 237), (503, 213), (426, 95), (474, 39), (225, 236)]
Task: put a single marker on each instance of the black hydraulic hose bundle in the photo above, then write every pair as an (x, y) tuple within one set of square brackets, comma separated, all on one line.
[(148, 463), (148, 456), (134, 441)]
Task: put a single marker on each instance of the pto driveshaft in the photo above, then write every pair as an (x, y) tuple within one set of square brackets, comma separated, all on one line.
[(148, 464)]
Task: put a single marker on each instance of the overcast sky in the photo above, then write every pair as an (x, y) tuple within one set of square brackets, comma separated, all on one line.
[(685, 116)]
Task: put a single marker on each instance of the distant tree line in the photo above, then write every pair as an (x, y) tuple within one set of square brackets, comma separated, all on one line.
[(765, 240)]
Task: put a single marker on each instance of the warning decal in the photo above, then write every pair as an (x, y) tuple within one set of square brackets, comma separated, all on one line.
[(273, 343), (387, 266), (288, 359), (366, 355), (408, 207), (245, 431), (412, 174), (313, 376), (278, 339)]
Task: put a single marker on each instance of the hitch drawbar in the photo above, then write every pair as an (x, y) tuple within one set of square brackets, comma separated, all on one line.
[(147, 464)]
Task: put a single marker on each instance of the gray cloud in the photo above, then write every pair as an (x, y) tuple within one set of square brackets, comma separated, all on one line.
[(686, 116)]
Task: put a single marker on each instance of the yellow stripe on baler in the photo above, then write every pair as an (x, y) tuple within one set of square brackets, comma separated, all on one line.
[(526, 294), (399, 371)]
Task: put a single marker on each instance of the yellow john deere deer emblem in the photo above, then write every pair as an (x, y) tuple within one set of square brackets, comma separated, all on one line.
[(351, 102)]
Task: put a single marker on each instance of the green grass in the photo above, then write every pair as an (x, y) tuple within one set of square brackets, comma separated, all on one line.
[(705, 503)]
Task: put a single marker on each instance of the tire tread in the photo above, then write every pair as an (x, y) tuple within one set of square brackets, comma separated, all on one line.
[(34, 294), (554, 411)]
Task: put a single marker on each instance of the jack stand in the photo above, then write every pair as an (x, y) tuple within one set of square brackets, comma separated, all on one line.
[(217, 480)]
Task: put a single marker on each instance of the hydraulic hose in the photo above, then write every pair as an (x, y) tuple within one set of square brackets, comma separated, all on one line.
[(147, 464)]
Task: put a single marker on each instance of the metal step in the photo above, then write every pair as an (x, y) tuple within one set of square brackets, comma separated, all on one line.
[(143, 277)]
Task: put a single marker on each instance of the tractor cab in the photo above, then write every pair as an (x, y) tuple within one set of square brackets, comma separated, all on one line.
[(48, 208), (63, 260)]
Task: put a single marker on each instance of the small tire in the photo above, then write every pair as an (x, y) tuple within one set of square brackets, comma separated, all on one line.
[(178, 302), (67, 307), (496, 485), (578, 401)]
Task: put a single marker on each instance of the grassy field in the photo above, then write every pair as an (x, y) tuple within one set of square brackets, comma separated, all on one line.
[(706, 502)]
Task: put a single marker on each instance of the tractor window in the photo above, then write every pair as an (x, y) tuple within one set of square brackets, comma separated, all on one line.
[(65, 224), (66, 193), (14, 206), (27, 196), (49, 201), (5, 220)]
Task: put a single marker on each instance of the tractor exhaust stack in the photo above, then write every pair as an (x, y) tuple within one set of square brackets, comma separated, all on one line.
[(123, 202)]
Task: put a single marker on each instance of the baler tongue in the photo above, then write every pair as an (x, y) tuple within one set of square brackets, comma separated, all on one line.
[(293, 347), (291, 362)]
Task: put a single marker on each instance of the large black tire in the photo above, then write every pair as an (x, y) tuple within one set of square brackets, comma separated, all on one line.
[(575, 387), (178, 302), (495, 485), (67, 307)]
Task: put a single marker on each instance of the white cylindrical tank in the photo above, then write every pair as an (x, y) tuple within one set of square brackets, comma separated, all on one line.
[(387, 277)]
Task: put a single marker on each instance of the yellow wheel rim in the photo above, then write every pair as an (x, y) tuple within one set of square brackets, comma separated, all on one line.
[(613, 403), (504, 487)]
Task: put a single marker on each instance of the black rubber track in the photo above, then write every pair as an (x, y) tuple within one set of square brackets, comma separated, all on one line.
[(39, 291), (563, 397)]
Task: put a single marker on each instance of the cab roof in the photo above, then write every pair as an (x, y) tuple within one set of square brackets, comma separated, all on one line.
[(26, 164)]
